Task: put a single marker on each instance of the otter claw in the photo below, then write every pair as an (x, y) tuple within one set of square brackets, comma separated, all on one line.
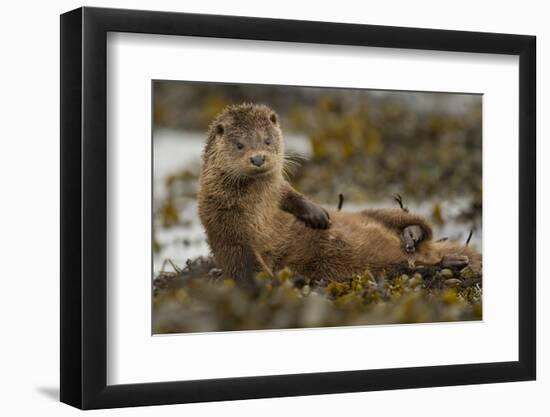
[(316, 217)]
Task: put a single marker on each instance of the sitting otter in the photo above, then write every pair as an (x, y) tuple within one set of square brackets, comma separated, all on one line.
[(255, 220)]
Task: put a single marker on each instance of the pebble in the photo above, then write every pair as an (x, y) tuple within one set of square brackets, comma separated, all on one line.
[(415, 280), (467, 273), (446, 273)]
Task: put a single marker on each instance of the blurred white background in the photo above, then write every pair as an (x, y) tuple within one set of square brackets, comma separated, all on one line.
[(29, 175)]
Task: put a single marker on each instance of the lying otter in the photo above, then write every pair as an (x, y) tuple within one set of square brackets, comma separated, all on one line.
[(255, 220)]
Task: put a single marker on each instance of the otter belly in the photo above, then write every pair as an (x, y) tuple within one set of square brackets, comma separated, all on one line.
[(354, 244), (348, 247)]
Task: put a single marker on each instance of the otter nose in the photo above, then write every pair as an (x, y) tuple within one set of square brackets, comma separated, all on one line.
[(257, 160)]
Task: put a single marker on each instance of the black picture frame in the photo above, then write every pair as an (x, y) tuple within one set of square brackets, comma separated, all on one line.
[(84, 207)]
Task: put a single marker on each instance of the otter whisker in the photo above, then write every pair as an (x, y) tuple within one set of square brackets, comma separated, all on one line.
[(291, 162), (294, 159), (295, 156), (287, 171)]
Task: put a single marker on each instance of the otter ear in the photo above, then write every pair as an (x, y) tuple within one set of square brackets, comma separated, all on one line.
[(219, 129), (273, 118)]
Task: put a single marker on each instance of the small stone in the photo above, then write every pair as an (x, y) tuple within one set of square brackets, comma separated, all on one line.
[(446, 273), (467, 273), (415, 280), (453, 282)]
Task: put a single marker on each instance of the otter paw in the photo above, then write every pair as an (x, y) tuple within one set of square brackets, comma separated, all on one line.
[(454, 261), (410, 236), (315, 217)]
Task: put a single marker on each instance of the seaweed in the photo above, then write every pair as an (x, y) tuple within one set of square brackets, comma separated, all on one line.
[(196, 298)]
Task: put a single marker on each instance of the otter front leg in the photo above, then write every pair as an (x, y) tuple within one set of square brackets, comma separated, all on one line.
[(410, 236), (239, 263), (313, 215)]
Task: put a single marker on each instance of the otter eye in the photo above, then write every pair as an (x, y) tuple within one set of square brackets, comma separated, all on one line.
[(267, 141), (240, 146)]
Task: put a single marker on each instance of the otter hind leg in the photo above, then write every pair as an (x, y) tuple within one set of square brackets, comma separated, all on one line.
[(448, 254), (454, 261), (452, 251)]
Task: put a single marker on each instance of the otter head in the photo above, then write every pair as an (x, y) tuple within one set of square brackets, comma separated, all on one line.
[(245, 141)]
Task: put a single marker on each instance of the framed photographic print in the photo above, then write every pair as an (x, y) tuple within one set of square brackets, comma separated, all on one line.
[(258, 208)]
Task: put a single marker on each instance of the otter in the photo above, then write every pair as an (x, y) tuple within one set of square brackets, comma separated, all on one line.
[(255, 220)]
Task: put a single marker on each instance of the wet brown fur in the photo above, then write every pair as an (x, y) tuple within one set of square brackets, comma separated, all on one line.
[(251, 220)]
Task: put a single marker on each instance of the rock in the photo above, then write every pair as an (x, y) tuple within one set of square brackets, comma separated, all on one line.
[(446, 273), (416, 280), (467, 273), (453, 282)]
